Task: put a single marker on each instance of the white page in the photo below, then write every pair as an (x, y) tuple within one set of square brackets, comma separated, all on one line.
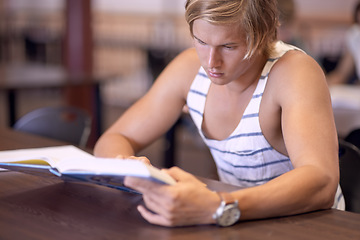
[(52, 154), (72, 160)]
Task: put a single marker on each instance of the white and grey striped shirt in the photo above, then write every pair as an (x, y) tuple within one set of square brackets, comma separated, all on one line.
[(245, 158)]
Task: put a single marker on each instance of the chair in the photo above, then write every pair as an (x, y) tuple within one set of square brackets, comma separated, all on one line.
[(65, 123), (354, 137), (350, 175)]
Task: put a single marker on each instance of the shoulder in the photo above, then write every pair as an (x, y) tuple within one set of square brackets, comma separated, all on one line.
[(175, 80), (296, 63), (187, 58), (189, 54), (181, 71), (296, 74)]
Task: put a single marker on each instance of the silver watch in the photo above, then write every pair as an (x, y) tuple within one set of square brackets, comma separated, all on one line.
[(228, 213)]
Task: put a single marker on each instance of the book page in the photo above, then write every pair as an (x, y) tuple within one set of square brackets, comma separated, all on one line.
[(42, 156), (72, 161), (112, 167)]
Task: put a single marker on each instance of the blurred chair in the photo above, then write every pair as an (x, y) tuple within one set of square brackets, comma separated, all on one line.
[(354, 137), (65, 123), (349, 156)]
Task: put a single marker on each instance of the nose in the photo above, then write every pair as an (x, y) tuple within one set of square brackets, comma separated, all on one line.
[(214, 60)]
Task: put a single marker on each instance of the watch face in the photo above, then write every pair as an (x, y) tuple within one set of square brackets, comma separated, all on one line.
[(230, 215)]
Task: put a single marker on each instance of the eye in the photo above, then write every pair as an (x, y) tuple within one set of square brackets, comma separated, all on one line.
[(229, 47), (199, 41)]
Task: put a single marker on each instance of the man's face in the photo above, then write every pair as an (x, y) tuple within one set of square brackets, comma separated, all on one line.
[(221, 50)]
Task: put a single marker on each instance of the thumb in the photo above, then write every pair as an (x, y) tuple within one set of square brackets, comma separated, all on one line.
[(177, 173), (181, 176)]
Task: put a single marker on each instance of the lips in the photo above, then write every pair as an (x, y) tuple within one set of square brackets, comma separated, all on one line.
[(215, 74)]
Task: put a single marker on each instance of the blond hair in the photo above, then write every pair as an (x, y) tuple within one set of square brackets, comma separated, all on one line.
[(258, 19)]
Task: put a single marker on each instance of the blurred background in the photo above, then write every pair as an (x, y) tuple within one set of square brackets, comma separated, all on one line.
[(49, 49)]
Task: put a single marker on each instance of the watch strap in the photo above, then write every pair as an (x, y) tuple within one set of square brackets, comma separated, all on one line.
[(226, 197)]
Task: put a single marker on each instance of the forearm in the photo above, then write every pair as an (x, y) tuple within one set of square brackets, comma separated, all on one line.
[(112, 145), (301, 190)]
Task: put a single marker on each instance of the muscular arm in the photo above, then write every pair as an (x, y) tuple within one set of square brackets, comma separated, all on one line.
[(153, 114), (309, 135), (299, 89)]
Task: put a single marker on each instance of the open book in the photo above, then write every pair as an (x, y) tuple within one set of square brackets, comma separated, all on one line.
[(72, 163)]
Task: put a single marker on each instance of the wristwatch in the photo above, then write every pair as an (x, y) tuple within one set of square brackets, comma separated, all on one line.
[(228, 213)]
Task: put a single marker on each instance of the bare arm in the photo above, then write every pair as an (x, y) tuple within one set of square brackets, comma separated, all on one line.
[(310, 138), (311, 142), (153, 114)]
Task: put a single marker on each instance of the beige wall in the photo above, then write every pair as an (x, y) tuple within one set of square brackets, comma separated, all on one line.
[(326, 9), (121, 27), (307, 8)]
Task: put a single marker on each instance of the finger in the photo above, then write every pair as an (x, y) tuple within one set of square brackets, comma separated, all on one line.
[(141, 159), (153, 217), (144, 160), (157, 197), (157, 205), (141, 184), (180, 175)]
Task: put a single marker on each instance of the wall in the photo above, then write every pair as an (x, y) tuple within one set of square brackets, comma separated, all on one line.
[(338, 9), (326, 9), (140, 6)]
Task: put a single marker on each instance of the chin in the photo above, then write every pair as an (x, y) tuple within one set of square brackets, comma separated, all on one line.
[(219, 81)]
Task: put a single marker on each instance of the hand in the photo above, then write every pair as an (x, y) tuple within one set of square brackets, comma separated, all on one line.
[(141, 159), (188, 202)]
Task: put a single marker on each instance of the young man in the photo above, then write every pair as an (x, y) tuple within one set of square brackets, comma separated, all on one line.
[(261, 106)]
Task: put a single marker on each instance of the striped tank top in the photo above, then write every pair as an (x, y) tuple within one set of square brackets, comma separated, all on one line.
[(245, 158)]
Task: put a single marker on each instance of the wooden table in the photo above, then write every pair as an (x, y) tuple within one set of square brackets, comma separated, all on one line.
[(42, 208)]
